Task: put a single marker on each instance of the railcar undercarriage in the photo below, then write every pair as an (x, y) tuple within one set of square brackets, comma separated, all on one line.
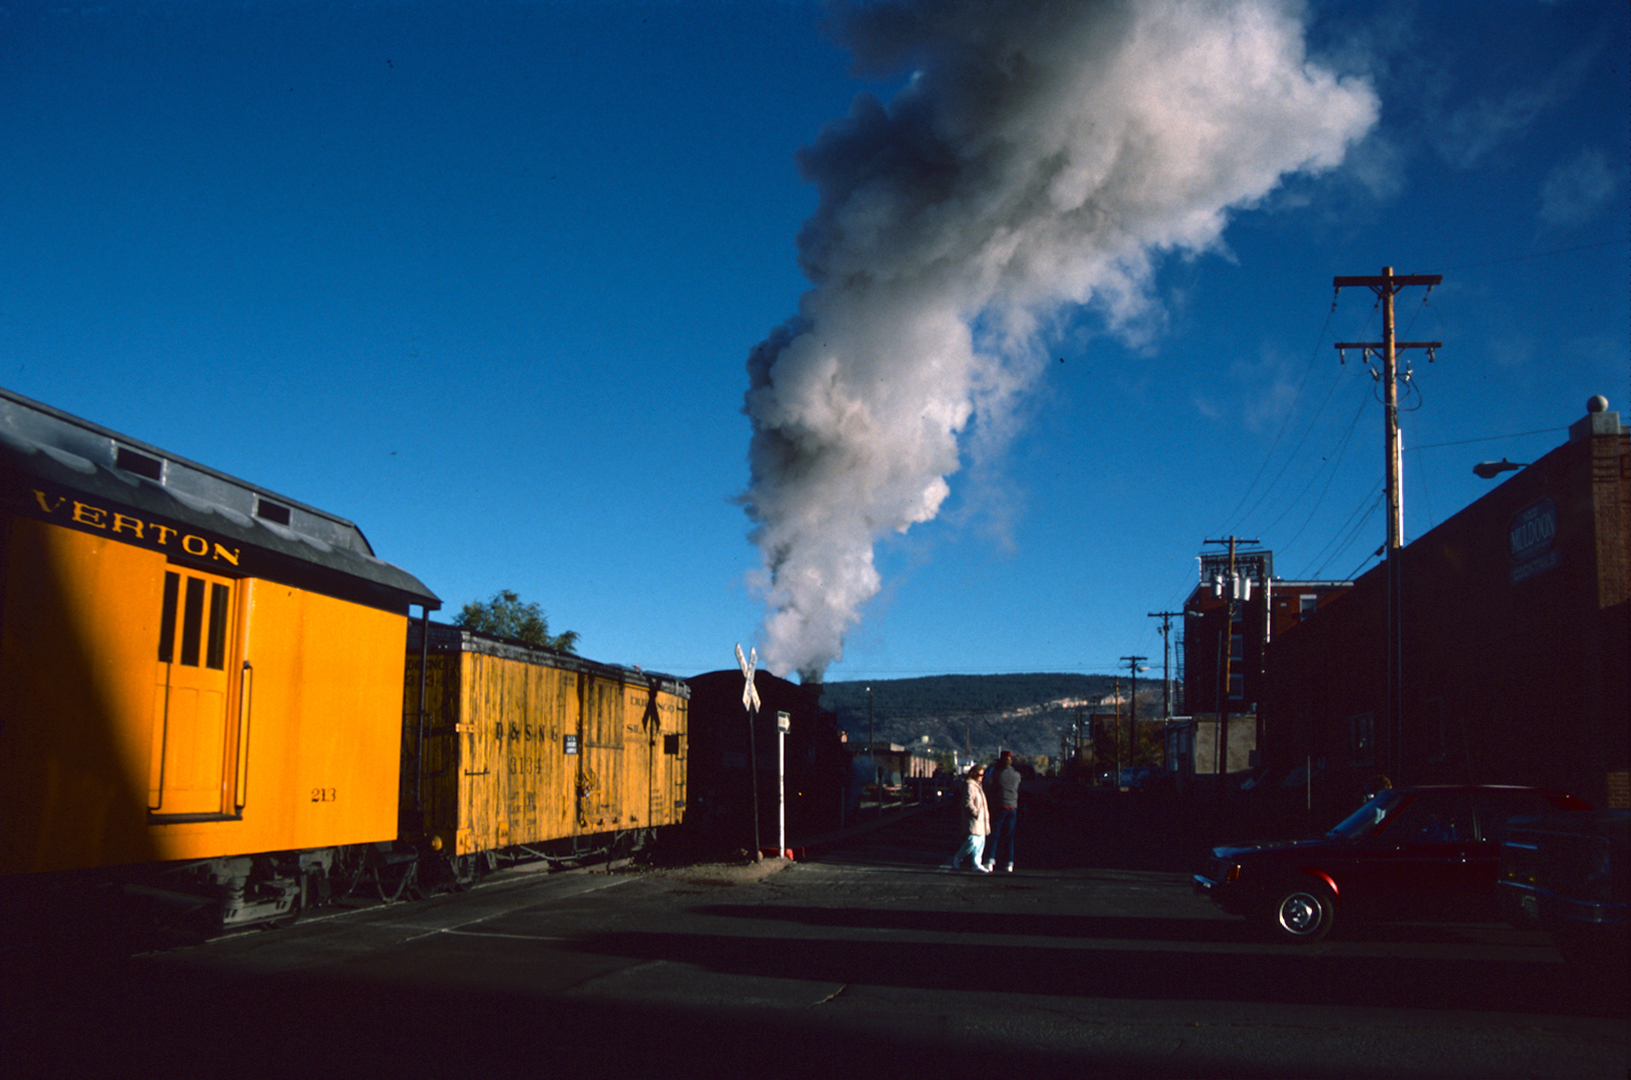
[(161, 905)]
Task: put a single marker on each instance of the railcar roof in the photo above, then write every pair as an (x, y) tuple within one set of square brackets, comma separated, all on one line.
[(454, 639), (41, 441)]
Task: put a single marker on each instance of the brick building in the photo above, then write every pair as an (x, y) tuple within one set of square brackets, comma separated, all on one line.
[(1264, 609), (1513, 641), (1230, 621)]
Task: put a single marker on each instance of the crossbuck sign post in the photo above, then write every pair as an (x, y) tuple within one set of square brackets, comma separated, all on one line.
[(750, 702), (783, 723)]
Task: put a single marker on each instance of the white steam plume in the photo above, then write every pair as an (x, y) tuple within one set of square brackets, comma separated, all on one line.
[(1042, 154)]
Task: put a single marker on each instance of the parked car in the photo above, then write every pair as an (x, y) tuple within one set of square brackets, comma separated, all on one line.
[(1568, 874), (1152, 778), (1133, 777), (1407, 853)]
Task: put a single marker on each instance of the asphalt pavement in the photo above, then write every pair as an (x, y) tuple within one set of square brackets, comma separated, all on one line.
[(1093, 956)]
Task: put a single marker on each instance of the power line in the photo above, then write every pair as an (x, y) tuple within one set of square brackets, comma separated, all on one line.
[(1334, 460), (1269, 456), (1355, 572), (1370, 507), (1331, 459), (1340, 537), (1541, 254), (1295, 451), (1490, 438)]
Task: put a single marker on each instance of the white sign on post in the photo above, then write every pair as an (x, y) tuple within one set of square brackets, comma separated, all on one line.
[(750, 696), (750, 702)]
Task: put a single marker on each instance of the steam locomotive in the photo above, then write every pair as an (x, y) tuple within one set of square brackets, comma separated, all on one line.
[(219, 696)]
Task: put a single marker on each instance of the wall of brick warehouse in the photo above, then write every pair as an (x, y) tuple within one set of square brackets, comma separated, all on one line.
[(1515, 616)]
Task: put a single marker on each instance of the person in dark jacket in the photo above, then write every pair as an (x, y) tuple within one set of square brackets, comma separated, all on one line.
[(1006, 785)]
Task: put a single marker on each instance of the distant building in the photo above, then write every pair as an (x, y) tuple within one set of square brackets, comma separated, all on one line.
[(895, 764), (1230, 620), (1262, 607), (1513, 645)]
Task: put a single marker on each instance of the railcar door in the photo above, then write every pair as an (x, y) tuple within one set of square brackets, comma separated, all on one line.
[(195, 715), (600, 763)]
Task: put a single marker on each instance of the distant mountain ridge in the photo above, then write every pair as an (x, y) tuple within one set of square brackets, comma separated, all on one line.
[(1028, 714)]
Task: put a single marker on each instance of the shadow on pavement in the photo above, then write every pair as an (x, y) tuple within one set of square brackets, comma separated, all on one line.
[(984, 922), (1283, 977), (142, 1017)]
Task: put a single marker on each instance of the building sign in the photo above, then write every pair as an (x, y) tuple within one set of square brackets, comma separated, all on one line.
[(1530, 536), (1256, 565)]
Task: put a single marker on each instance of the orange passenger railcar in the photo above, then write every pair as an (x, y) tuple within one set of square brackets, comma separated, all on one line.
[(193, 671)]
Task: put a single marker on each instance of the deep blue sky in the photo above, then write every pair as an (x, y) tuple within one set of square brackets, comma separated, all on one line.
[(484, 277)]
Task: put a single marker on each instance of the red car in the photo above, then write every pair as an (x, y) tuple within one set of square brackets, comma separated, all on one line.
[(1408, 853)]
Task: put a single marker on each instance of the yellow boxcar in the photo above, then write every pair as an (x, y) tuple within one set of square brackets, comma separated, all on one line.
[(190, 667), (527, 746)]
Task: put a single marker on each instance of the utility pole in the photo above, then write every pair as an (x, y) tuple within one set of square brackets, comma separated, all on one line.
[(1385, 287), (872, 749), (1115, 693), (1132, 706), (1166, 618), (1236, 590)]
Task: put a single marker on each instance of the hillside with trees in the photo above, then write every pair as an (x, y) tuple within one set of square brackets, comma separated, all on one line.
[(1028, 714)]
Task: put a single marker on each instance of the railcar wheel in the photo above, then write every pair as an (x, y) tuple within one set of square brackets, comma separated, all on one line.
[(302, 900), (1303, 913), (346, 873), (466, 870), (390, 891)]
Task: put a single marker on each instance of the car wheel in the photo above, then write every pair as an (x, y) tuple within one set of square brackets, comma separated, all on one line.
[(1303, 913)]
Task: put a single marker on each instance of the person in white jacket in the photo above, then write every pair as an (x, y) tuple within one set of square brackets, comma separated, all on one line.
[(976, 822)]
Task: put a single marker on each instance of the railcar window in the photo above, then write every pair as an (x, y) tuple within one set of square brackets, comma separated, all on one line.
[(192, 621), (140, 464), (204, 632), (216, 651), (167, 620), (271, 511)]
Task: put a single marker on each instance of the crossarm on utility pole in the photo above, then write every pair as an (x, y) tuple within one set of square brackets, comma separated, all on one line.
[(1385, 285), (1430, 346), (1388, 278)]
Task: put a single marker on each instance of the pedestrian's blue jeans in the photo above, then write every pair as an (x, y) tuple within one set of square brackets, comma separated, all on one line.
[(1003, 832), (973, 846)]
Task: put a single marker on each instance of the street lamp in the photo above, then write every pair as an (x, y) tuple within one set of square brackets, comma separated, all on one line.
[(1489, 470)]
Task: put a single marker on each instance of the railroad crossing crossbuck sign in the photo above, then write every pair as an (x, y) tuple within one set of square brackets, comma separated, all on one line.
[(750, 696)]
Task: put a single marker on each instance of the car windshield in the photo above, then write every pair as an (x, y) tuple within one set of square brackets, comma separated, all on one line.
[(1368, 818)]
